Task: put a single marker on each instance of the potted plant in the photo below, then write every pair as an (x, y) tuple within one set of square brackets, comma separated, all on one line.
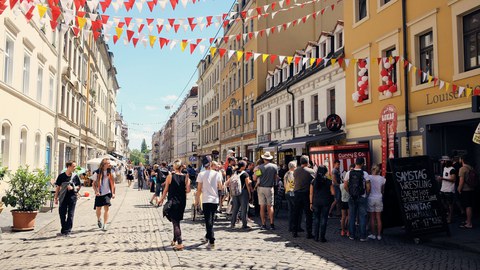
[(28, 191)]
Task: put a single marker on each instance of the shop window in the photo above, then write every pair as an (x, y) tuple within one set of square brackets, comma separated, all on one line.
[(471, 40), (5, 145), (426, 55)]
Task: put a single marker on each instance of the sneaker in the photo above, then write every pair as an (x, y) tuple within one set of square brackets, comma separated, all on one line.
[(60, 234), (272, 227), (104, 227), (264, 227), (342, 233), (363, 239), (379, 238), (351, 238), (99, 223), (246, 227), (210, 246), (371, 236), (348, 233)]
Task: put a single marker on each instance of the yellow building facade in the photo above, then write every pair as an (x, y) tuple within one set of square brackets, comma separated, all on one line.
[(439, 41)]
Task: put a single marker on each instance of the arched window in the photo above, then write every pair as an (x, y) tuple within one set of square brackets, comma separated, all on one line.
[(23, 147), (36, 161), (48, 155), (5, 144)]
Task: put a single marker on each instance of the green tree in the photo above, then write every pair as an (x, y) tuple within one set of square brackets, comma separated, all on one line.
[(136, 157), (144, 146)]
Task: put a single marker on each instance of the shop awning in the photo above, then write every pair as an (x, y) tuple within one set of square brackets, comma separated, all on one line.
[(302, 141)]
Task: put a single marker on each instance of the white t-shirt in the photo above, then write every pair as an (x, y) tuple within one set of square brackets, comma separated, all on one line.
[(365, 175), (447, 186), (210, 180), (376, 183)]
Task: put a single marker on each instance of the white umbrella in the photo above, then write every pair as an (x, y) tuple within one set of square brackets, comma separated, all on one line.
[(95, 163)]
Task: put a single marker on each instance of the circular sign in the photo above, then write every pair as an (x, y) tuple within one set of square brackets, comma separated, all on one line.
[(333, 122)]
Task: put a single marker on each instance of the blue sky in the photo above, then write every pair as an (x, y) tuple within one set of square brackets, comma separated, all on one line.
[(150, 78)]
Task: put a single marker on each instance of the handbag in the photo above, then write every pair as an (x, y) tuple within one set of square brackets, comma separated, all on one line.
[(167, 207)]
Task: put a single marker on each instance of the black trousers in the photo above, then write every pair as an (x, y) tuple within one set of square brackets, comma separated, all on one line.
[(67, 212), (209, 210), (302, 204)]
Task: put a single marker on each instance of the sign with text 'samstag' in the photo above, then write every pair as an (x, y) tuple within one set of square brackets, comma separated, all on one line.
[(417, 193)]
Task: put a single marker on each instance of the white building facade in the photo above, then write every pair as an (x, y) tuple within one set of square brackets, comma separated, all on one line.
[(185, 134)]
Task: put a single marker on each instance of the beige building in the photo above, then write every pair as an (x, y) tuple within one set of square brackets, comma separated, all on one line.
[(186, 122)]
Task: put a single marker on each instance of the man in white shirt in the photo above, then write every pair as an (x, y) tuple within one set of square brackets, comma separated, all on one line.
[(209, 182)]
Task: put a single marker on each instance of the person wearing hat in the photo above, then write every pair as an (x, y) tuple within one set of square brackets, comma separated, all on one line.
[(266, 182), (209, 182), (230, 153)]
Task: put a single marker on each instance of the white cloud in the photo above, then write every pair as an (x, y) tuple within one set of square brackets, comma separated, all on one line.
[(169, 98), (132, 106), (151, 108)]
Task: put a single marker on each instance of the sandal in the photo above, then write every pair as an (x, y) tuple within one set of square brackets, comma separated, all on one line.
[(466, 227), (179, 247), (173, 243)]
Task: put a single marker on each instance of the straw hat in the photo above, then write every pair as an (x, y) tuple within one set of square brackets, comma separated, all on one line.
[(267, 156)]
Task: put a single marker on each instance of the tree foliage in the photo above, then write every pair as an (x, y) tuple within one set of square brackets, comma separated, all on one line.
[(144, 146), (136, 156)]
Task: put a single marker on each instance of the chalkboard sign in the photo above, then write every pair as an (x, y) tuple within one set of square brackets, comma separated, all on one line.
[(417, 193)]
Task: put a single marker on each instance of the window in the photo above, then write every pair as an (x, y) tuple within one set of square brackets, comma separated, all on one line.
[(245, 118), (361, 9), (277, 119), (251, 25), (289, 115), (5, 144), (262, 123), (252, 63), (26, 73), (331, 103), (471, 40), (8, 66), (62, 99), (246, 73), (48, 155), (23, 147), (301, 112), (383, 2), (50, 93), (285, 73), (323, 49), (392, 52), (269, 122), (39, 84), (426, 55), (36, 162), (339, 39), (315, 108), (251, 110)]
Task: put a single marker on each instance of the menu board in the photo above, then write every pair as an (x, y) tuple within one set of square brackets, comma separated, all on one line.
[(417, 193)]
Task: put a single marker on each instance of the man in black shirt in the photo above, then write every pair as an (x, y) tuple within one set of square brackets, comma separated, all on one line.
[(68, 184)]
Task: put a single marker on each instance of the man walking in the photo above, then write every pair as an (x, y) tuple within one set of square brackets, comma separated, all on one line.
[(303, 176), (141, 176), (357, 184), (265, 187), (209, 182), (68, 184), (336, 180), (466, 188)]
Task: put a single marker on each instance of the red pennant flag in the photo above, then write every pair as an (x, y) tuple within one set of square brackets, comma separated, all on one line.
[(379, 60), (159, 28), (151, 4), (140, 27), (248, 55), (294, 22), (81, 14), (272, 58), (405, 64), (105, 19), (3, 7), (115, 39), (273, 5), (174, 3), (190, 20), (135, 41), (333, 7), (272, 30), (222, 52), (243, 14), (96, 25), (96, 35), (171, 21), (192, 48), (314, 15), (77, 4), (454, 88), (287, 2), (259, 10), (104, 6), (130, 35), (225, 39), (397, 58), (224, 15), (284, 26), (319, 61), (120, 24), (225, 23), (250, 35), (127, 5), (239, 37), (209, 20), (128, 20), (261, 32), (176, 26), (162, 41), (323, 11), (192, 26), (419, 72), (435, 81), (211, 40), (149, 21), (55, 13), (304, 19), (53, 24), (155, 2), (340, 61), (297, 60), (199, 40), (29, 14), (13, 3), (75, 31)]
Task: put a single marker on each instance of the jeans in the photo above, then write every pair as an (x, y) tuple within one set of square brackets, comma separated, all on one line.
[(302, 204), (177, 232), (209, 210), (140, 183), (320, 218), (240, 202), (359, 207), (291, 213), (67, 211)]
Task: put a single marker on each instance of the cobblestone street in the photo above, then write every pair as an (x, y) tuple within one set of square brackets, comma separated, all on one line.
[(138, 238)]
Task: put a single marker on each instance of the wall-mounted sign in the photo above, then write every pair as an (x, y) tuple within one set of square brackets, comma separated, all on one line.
[(333, 122), (387, 125)]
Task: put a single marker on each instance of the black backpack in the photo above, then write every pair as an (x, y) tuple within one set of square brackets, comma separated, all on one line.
[(356, 187), (162, 176)]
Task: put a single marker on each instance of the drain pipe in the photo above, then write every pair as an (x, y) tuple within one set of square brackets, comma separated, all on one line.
[(405, 78), (293, 111)]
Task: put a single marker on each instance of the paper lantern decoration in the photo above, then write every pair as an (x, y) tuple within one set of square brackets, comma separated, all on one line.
[(388, 87), (361, 93)]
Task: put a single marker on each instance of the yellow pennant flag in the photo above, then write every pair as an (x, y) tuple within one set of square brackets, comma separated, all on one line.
[(183, 45), (430, 78), (41, 10), (469, 92), (447, 85), (213, 50), (289, 59), (119, 31), (333, 60), (354, 61), (152, 40), (264, 57), (312, 60), (82, 21), (414, 70), (239, 55)]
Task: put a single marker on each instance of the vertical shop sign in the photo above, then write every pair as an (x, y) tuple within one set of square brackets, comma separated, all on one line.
[(387, 126)]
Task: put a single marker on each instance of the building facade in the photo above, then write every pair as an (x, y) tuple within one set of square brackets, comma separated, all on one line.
[(186, 125), (121, 150), (431, 100)]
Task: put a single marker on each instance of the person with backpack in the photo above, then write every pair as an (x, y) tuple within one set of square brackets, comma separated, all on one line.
[(303, 178), (241, 193), (357, 184), (466, 187), (321, 197)]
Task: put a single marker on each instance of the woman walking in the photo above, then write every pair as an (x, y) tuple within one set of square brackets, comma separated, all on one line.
[(289, 181), (177, 186), (375, 202), (240, 202), (321, 197), (104, 187)]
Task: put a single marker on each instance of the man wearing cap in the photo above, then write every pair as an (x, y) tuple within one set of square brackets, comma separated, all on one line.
[(267, 181), (209, 182)]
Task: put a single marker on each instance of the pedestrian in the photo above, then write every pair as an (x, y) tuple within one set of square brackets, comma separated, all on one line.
[(265, 186), (303, 178), (209, 182), (141, 176), (322, 195), (152, 179), (447, 191), (228, 173), (375, 202), (104, 188), (177, 186), (161, 177), (336, 180), (255, 182), (242, 197), (357, 184), (289, 181), (129, 175), (466, 189), (66, 194), (344, 208), (230, 153)]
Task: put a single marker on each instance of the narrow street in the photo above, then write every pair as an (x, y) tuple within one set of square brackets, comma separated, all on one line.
[(138, 238)]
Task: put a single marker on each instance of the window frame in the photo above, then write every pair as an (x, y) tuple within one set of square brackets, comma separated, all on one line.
[(356, 9), (476, 34), (26, 72), (301, 111), (8, 74)]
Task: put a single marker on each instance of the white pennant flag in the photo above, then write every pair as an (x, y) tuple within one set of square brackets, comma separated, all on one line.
[(95, 3), (201, 26), (200, 19), (256, 55), (162, 4), (288, 24), (68, 17), (217, 24), (93, 16), (347, 62), (460, 91), (442, 84), (141, 36), (173, 43), (106, 37), (274, 13), (125, 41), (424, 76), (219, 18), (88, 24), (115, 6), (185, 27), (265, 8), (144, 42), (279, 28), (299, 20), (139, 21), (256, 34), (281, 58), (167, 27), (90, 5), (116, 20), (184, 3), (267, 31), (180, 21), (150, 28), (232, 14), (201, 49), (409, 67), (281, 3), (305, 60), (249, 12), (308, 16), (160, 21), (131, 26), (139, 6), (245, 37)]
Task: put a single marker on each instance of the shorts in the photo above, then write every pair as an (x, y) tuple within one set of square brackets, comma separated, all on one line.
[(467, 198), (375, 205), (265, 195), (447, 197), (338, 193), (103, 200), (158, 189), (344, 205)]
